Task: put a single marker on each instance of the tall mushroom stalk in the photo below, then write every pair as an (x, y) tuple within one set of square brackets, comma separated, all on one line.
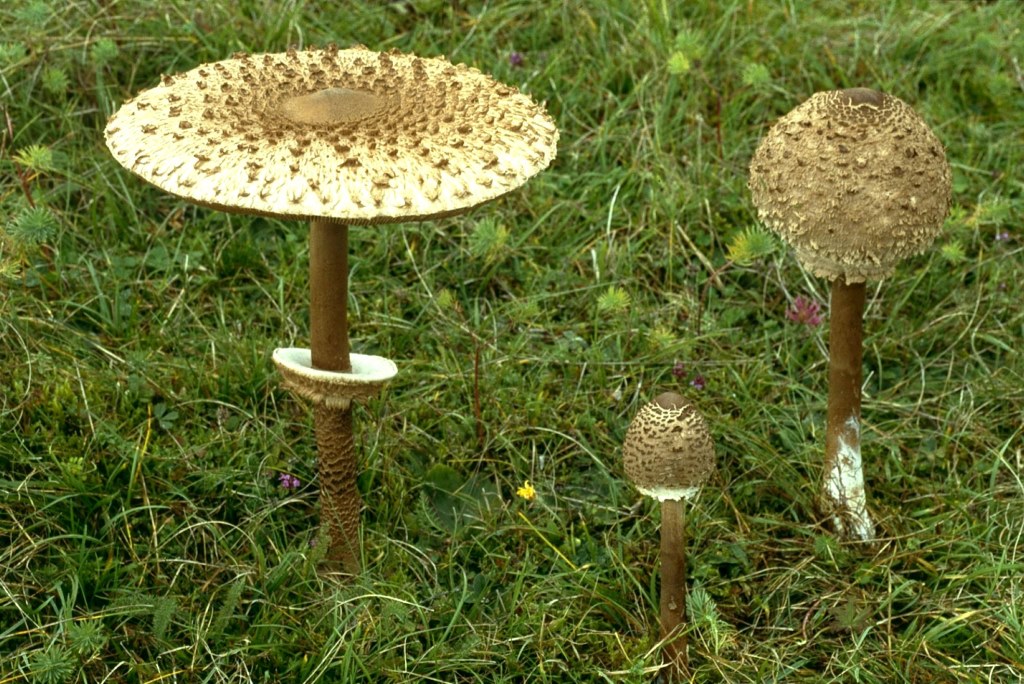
[(668, 455), (672, 596), (856, 181), (843, 479), (337, 137), (340, 502)]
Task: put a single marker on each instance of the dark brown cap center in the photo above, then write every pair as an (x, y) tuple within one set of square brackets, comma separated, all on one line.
[(330, 106), (670, 401), (859, 96)]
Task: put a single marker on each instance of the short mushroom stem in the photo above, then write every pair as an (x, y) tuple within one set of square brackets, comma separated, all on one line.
[(844, 493), (673, 586)]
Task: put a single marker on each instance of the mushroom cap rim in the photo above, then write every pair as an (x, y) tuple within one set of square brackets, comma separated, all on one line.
[(366, 369), (669, 493)]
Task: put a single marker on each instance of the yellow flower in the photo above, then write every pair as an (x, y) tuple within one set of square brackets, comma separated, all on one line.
[(526, 491)]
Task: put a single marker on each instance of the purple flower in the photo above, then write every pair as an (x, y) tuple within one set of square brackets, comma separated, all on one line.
[(805, 311), (515, 59), (288, 481), (1003, 236), (698, 382), (679, 370)]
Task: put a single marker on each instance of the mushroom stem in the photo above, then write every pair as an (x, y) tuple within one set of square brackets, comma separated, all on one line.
[(339, 495), (843, 488), (328, 293), (328, 323), (673, 585)]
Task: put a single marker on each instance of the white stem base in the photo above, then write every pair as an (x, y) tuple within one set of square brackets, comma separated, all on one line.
[(845, 491)]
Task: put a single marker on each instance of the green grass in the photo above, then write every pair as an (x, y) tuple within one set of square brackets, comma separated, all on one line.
[(142, 427)]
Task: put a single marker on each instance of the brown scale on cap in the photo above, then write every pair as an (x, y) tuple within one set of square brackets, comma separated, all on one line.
[(317, 120), (854, 180), (668, 452)]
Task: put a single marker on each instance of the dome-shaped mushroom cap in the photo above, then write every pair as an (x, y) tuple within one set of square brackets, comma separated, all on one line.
[(668, 452), (854, 180), (352, 135)]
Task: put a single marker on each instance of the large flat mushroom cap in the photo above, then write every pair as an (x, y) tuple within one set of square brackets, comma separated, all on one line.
[(351, 135), (668, 452), (854, 180)]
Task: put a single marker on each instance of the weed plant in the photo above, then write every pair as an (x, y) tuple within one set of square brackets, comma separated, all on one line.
[(157, 484)]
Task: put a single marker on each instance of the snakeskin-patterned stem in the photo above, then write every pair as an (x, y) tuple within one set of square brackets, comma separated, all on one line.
[(339, 496), (331, 394)]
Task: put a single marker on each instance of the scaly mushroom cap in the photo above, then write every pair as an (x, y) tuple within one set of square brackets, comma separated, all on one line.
[(854, 180), (668, 453), (352, 135)]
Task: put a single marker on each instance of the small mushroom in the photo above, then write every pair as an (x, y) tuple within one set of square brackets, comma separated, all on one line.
[(336, 137), (668, 454), (855, 181)]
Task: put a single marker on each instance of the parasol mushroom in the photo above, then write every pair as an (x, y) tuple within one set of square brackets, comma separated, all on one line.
[(668, 454), (336, 137), (855, 181)]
